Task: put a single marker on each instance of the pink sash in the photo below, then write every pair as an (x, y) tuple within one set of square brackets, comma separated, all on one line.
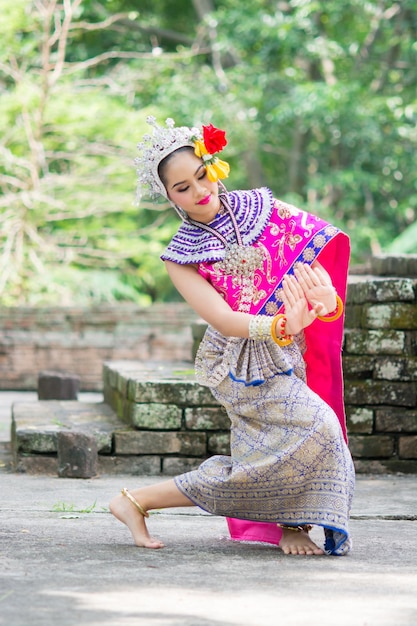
[(293, 236)]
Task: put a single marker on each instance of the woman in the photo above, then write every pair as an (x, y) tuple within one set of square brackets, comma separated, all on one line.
[(248, 265)]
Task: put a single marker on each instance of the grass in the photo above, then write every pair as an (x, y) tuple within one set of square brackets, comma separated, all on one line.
[(64, 507)]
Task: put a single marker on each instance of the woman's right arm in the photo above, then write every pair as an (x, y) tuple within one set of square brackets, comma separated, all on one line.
[(207, 302)]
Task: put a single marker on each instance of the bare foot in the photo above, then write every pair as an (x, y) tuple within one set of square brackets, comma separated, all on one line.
[(125, 512), (293, 542)]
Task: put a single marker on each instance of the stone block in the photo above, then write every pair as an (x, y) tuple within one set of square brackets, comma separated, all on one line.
[(35, 425), (219, 444), (394, 315), (373, 289), (109, 375), (393, 289), (173, 466), (77, 455), (353, 316), (121, 385), (162, 382), (371, 446), (206, 418), (58, 386), (30, 440), (174, 391), (395, 420), (407, 447), (375, 342), (114, 372), (133, 465), (105, 376), (361, 366), (395, 368), (154, 416), (146, 442), (359, 420), (368, 392), (394, 265), (35, 464), (119, 404)]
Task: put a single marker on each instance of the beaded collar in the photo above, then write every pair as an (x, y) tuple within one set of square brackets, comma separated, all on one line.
[(252, 211)]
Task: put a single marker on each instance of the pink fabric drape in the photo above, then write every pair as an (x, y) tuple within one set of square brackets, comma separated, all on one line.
[(286, 238), (293, 236)]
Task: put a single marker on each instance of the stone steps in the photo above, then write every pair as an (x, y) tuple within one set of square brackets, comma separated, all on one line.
[(156, 419), (37, 427)]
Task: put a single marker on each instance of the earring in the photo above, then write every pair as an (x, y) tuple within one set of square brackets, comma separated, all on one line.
[(222, 187), (180, 212)]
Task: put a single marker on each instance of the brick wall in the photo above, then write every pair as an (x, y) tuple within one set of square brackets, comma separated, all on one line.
[(380, 366), (379, 359), (78, 340)]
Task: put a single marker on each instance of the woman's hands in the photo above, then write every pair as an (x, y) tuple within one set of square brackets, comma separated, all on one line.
[(310, 285), (317, 286)]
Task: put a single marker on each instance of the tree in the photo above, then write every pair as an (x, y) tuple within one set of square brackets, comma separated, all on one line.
[(331, 88), (318, 99), (66, 176)]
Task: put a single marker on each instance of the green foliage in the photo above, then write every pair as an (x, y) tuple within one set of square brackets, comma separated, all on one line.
[(66, 507), (318, 100), (406, 243)]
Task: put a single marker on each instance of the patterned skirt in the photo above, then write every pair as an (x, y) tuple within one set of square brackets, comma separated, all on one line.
[(289, 462)]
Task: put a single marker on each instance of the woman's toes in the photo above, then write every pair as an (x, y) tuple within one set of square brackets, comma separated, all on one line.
[(154, 544), (298, 544)]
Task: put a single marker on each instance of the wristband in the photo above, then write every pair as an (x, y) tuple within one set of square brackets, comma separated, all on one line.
[(283, 339), (333, 315)]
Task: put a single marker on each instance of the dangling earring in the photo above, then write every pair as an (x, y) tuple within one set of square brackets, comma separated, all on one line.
[(180, 212), (222, 187)]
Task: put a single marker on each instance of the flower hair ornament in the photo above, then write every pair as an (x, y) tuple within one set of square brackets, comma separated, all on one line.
[(164, 140)]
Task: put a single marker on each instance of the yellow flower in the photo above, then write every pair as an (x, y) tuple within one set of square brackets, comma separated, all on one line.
[(199, 148), (217, 169)]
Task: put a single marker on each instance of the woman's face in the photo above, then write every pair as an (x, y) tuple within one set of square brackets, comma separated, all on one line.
[(188, 187)]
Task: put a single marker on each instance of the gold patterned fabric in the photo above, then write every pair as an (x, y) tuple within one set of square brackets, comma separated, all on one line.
[(289, 462)]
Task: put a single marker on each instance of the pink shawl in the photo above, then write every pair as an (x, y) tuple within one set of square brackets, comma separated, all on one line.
[(292, 236)]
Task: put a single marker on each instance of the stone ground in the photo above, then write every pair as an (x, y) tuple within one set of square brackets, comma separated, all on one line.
[(65, 561)]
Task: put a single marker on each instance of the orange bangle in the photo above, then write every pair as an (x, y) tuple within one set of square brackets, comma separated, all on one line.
[(285, 340), (333, 315)]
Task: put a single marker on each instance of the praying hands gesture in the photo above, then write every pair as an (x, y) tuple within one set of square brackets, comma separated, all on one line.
[(310, 286)]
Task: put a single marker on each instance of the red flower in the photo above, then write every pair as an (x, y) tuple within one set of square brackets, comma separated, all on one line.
[(214, 138)]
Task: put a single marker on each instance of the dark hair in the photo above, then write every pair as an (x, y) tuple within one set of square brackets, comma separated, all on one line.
[(163, 164)]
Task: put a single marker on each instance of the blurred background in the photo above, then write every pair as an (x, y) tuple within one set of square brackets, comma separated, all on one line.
[(318, 99)]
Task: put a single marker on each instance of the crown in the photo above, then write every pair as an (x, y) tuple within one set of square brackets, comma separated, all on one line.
[(154, 148)]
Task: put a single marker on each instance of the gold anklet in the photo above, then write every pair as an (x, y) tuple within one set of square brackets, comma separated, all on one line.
[(298, 529), (135, 502)]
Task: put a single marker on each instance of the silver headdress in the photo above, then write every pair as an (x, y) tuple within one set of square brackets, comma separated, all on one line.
[(154, 148)]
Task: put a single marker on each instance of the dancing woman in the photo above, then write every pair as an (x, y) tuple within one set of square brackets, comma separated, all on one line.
[(270, 281)]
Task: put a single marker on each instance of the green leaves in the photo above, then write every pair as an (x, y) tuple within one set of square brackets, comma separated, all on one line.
[(318, 100)]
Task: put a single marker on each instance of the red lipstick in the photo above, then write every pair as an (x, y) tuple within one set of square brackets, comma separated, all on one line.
[(205, 200)]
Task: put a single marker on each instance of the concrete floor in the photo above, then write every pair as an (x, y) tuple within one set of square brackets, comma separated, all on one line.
[(64, 560)]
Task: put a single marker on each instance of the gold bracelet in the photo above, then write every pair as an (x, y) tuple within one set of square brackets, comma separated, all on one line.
[(333, 315), (284, 340)]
